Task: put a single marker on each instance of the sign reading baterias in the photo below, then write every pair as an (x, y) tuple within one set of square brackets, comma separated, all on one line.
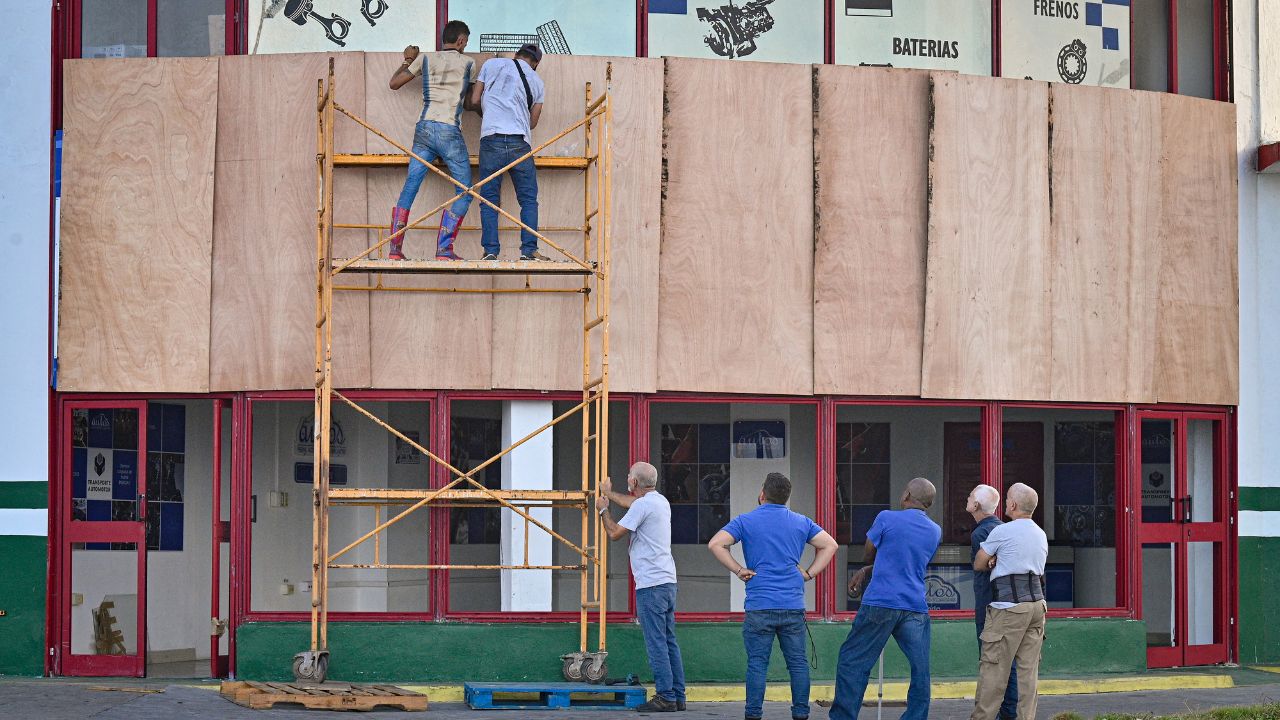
[(932, 34), (767, 30), (559, 27), (289, 26), (1082, 42)]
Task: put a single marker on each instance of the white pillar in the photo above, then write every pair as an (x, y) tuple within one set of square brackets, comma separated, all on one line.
[(528, 467), (746, 476)]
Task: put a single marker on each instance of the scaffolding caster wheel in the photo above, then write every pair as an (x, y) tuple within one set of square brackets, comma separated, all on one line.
[(588, 666), (311, 666)]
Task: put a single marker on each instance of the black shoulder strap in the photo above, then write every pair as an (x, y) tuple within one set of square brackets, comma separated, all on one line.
[(528, 94)]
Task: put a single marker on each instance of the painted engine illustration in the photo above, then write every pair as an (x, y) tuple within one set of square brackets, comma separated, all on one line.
[(335, 26), (734, 29), (549, 37), (1071, 62)]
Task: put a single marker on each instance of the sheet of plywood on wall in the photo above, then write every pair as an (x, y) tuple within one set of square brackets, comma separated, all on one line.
[(1197, 353), (987, 327), (537, 339), (418, 339), (265, 224), (871, 144), (736, 272), (137, 224), (1105, 198)]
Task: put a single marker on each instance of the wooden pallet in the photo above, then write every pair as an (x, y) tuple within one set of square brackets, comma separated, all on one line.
[(329, 696), (552, 696)]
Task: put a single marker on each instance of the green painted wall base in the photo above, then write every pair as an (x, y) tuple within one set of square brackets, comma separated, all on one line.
[(22, 598), (457, 652), (1259, 602)]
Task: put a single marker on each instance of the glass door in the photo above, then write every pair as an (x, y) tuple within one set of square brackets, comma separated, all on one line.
[(1183, 530), (103, 546)]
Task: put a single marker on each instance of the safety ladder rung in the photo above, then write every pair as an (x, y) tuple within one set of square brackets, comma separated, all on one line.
[(590, 605), (589, 438), (594, 382), (591, 324)]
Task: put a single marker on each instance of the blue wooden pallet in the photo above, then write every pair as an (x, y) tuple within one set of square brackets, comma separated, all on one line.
[(552, 696)]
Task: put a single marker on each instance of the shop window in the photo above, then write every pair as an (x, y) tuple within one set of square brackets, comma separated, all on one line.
[(191, 28), (712, 459), (113, 28), (492, 536), (1179, 56), (878, 451), (1069, 457), (362, 455)]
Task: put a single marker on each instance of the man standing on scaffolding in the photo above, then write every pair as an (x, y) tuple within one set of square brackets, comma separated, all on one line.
[(446, 78), (509, 94)]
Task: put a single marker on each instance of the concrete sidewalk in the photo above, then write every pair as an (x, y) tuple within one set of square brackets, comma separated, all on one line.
[(67, 699)]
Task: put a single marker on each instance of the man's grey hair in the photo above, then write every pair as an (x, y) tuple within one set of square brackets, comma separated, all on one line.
[(987, 497), (644, 474), (1026, 497)]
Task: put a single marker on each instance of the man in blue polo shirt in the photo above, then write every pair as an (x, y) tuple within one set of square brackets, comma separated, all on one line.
[(899, 546), (773, 539)]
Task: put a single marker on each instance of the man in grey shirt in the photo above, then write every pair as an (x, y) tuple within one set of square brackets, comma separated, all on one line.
[(1015, 553), (648, 519), (509, 93)]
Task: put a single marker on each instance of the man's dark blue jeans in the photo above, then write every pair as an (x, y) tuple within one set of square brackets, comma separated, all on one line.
[(860, 651), (1009, 707), (495, 152), (656, 610), (759, 628)]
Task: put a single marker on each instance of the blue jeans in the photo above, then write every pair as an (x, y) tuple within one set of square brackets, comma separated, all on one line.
[(860, 651), (1009, 707), (433, 140), (495, 152), (656, 609), (758, 630)]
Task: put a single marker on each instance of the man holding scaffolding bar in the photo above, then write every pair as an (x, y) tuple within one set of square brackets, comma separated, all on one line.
[(446, 77)]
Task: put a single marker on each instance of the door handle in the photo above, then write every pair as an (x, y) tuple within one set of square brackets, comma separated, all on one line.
[(217, 627)]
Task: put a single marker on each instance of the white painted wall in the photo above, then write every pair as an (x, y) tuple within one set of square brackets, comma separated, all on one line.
[(528, 467), (24, 241), (1268, 66)]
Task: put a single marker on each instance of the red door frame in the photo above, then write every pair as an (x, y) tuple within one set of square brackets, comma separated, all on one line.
[(219, 664), (81, 531), (1181, 531)]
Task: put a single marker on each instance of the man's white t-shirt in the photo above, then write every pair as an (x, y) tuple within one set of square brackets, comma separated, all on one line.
[(649, 521), (1020, 547)]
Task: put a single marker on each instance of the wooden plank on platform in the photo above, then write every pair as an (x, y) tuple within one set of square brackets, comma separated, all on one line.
[(136, 224), (736, 266), (1106, 202), (988, 313), (264, 247), (871, 143)]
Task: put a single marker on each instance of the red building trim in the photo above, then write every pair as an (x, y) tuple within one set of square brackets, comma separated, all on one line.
[(1268, 157)]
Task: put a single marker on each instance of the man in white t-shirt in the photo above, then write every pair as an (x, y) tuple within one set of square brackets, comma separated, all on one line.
[(1015, 553), (648, 519)]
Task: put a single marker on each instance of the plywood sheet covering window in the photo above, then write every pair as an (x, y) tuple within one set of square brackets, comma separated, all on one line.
[(987, 302), (1106, 209), (137, 216), (736, 271), (417, 339), (537, 339), (265, 224), (1197, 353), (871, 141)]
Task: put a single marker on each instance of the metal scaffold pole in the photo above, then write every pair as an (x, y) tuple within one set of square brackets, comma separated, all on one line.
[(462, 489)]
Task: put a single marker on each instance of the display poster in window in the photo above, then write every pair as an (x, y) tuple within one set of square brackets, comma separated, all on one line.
[(304, 437), (931, 34), (760, 439), (407, 454), (1071, 41), (559, 27), (294, 26), (765, 30)]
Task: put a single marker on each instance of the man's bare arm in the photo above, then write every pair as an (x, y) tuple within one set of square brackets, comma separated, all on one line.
[(863, 576), (985, 562), (534, 113), (719, 547), (611, 526), (402, 76), (622, 499), (477, 90), (824, 549)]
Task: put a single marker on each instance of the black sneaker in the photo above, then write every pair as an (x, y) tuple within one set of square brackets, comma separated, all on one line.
[(657, 704), (489, 256)]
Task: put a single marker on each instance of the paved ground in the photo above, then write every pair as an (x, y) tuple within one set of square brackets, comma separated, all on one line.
[(72, 700)]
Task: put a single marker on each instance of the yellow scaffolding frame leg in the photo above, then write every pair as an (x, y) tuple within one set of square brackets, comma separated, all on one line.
[(463, 490)]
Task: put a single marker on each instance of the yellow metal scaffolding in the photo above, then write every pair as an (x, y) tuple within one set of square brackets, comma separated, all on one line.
[(463, 490)]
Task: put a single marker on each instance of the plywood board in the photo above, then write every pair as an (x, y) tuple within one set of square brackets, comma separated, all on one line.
[(1105, 198), (987, 302), (137, 217), (871, 144), (736, 271), (264, 224), (1197, 353), (537, 339)]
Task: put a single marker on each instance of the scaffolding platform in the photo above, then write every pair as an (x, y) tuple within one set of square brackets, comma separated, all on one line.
[(460, 267), (381, 160)]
